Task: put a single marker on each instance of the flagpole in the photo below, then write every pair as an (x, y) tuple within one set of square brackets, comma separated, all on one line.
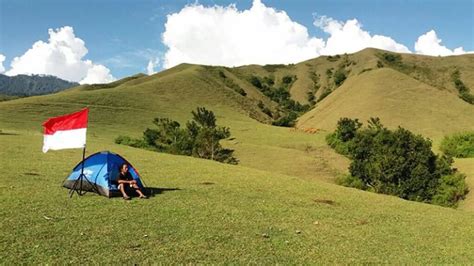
[(82, 167)]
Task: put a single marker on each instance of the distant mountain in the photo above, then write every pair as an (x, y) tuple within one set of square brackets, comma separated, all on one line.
[(25, 85)]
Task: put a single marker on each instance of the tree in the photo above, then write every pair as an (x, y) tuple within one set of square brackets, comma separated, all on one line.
[(200, 138), (397, 163), (339, 77), (347, 128)]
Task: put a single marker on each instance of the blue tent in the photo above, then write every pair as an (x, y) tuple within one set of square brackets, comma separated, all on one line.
[(101, 169)]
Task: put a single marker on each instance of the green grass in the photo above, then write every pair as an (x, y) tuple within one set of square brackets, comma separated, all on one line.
[(279, 205), (223, 222)]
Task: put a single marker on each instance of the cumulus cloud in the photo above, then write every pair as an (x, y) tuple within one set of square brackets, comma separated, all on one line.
[(430, 44), (349, 37), (219, 35), (2, 68), (226, 36), (62, 56), (152, 63)]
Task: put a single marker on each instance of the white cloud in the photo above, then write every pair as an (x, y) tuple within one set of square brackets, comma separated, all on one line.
[(260, 35), (152, 63), (226, 36), (430, 44), (2, 68), (61, 56), (349, 37), (97, 74)]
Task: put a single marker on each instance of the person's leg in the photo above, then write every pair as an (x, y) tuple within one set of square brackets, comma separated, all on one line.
[(122, 189), (137, 189)]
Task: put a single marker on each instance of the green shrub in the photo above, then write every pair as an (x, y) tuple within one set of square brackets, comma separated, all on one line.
[(337, 144), (329, 72), (365, 70), (280, 95), (289, 120), (347, 128), (324, 94), (270, 81), (451, 189), (463, 90), (339, 77), (200, 138), (397, 163), (255, 81), (311, 98), (125, 140), (333, 58), (288, 79), (351, 181), (460, 145), (392, 58)]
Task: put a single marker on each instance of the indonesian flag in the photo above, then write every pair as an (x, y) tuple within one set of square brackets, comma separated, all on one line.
[(66, 132)]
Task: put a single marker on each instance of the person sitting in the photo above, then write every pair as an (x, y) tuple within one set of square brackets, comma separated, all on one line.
[(125, 180)]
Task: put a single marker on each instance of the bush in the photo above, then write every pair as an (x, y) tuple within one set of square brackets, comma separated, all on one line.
[(392, 58), (200, 138), (351, 181), (347, 128), (264, 109), (396, 163), (463, 90), (333, 58), (255, 81), (324, 94), (287, 79), (311, 98), (337, 144), (459, 145), (288, 120), (451, 189), (329, 72), (280, 95), (136, 143), (339, 77)]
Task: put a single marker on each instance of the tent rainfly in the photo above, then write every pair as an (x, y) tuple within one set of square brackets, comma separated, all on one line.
[(101, 170)]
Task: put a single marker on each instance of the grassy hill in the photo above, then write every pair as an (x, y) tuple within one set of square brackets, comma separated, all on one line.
[(279, 205), (397, 99)]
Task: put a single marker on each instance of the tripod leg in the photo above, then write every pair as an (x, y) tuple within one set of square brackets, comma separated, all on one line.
[(71, 191)]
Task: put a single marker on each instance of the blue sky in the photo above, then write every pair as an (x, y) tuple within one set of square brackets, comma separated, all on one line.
[(125, 35)]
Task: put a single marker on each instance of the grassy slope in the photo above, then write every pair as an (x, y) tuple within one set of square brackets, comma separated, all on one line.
[(223, 222), (398, 100), (175, 93)]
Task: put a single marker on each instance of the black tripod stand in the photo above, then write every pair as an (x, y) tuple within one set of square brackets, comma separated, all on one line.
[(82, 180)]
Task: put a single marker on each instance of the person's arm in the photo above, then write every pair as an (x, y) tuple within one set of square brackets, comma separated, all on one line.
[(130, 178), (120, 180)]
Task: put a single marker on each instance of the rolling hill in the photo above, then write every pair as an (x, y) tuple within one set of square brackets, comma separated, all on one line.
[(279, 205), (397, 99)]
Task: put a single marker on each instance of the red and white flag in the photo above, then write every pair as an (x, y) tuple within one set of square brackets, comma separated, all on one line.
[(66, 131)]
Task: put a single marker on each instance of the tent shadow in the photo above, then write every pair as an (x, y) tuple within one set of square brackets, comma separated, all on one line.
[(152, 191)]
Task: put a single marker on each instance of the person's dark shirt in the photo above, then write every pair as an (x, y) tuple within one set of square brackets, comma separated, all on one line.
[(126, 177)]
